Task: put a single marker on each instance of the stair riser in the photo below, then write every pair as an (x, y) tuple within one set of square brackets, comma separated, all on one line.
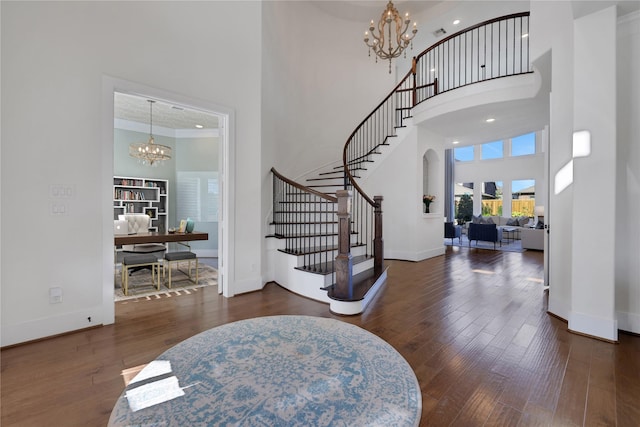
[(301, 260), (303, 229), (310, 242)]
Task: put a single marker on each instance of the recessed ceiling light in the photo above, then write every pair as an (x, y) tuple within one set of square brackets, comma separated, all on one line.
[(525, 35), (456, 142), (456, 22), (490, 120), (199, 126), (433, 70)]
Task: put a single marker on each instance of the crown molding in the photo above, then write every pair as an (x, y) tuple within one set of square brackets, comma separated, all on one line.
[(162, 131)]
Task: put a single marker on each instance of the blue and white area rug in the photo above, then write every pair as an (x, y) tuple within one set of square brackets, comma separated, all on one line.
[(275, 371)]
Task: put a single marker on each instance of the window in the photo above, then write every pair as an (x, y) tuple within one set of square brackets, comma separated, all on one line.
[(523, 145), (523, 197), (464, 201), (492, 150), (492, 198), (197, 196), (463, 154)]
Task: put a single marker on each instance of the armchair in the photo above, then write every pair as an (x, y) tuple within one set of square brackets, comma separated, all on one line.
[(485, 232), (452, 232)]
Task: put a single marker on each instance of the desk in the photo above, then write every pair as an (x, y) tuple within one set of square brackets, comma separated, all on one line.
[(155, 237)]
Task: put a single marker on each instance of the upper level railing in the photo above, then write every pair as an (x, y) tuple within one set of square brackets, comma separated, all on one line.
[(492, 49)]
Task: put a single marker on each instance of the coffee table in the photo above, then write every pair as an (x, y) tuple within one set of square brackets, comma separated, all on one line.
[(511, 233)]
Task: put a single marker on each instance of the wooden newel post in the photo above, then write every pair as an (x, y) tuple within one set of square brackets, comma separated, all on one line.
[(343, 288), (378, 242)]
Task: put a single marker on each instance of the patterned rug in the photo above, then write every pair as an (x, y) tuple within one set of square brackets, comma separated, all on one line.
[(140, 286), (275, 371)]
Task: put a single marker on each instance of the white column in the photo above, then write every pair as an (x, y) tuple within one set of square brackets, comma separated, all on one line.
[(594, 176)]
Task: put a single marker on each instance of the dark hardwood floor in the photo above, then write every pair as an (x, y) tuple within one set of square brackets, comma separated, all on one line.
[(472, 324)]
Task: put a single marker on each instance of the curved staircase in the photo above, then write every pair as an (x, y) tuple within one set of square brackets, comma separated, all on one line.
[(326, 233)]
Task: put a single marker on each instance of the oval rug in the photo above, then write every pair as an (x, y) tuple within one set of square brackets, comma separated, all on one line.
[(276, 370)]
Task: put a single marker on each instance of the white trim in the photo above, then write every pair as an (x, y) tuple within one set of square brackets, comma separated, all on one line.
[(629, 322), (414, 256), (110, 85), (594, 326), (162, 131)]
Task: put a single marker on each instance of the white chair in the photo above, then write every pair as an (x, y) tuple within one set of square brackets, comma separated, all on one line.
[(139, 223)]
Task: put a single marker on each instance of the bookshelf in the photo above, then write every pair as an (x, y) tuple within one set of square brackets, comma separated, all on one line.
[(142, 195)]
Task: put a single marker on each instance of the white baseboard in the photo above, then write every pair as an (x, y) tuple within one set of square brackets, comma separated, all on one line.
[(414, 256), (247, 285), (629, 322), (50, 326), (594, 326)]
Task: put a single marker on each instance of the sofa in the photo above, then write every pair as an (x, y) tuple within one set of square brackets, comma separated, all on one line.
[(501, 221), (532, 238), (485, 232)]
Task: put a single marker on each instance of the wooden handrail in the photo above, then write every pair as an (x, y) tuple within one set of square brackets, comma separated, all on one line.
[(303, 188), (466, 30)]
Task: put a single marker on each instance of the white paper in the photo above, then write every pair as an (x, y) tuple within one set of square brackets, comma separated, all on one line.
[(153, 369), (154, 393)]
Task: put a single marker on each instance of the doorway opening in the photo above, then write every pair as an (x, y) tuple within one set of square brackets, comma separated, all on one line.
[(198, 133)]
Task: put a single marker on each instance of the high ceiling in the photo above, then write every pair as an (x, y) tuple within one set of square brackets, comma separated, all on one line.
[(136, 109)]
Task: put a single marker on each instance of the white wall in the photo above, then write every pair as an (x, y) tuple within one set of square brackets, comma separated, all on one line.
[(552, 30), (627, 232), (408, 233), (318, 85), (593, 304), (593, 276), (54, 58)]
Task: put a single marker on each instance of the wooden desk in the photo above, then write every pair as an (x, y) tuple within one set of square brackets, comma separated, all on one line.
[(154, 237)]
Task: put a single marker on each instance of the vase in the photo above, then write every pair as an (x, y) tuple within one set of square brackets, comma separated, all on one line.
[(426, 208)]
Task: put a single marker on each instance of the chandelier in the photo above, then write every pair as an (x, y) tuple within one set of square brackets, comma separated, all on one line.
[(388, 48), (150, 153)]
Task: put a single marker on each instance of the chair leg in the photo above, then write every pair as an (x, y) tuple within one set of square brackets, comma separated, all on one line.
[(125, 279)]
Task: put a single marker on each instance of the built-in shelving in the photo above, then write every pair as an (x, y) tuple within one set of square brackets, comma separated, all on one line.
[(142, 195)]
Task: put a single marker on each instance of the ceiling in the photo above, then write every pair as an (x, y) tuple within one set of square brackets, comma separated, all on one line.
[(134, 108)]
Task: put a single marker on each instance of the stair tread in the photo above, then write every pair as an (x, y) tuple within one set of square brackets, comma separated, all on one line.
[(362, 282)]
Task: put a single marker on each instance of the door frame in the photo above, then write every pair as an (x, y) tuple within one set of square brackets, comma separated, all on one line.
[(226, 225)]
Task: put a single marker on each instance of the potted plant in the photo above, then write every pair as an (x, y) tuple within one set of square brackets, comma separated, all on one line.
[(427, 199)]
